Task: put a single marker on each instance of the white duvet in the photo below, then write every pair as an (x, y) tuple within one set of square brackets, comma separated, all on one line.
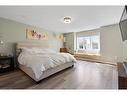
[(40, 62)]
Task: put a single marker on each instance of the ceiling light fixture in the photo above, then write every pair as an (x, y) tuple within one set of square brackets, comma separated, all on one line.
[(67, 20)]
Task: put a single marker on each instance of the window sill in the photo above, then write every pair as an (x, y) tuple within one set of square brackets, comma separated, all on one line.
[(89, 54)]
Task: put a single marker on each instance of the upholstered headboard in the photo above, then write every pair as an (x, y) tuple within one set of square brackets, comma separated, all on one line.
[(20, 45)]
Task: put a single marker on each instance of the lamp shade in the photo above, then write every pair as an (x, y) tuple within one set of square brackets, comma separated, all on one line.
[(64, 39), (1, 42)]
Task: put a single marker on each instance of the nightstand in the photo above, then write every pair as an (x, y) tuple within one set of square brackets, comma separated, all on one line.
[(65, 50), (6, 63)]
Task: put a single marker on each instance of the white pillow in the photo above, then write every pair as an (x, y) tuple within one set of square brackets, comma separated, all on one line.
[(28, 50), (50, 51), (37, 50), (40, 50)]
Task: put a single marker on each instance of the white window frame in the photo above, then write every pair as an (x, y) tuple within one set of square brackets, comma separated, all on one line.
[(89, 51)]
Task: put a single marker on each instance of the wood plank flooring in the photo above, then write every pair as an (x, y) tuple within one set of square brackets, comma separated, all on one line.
[(84, 75)]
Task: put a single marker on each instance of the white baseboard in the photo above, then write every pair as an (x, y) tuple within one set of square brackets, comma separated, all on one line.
[(98, 61)]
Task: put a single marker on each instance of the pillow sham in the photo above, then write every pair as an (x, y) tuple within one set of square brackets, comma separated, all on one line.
[(40, 50), (37, 50), (28, 50)]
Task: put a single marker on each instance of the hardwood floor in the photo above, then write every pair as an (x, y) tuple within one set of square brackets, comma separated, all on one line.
[(84, 75)]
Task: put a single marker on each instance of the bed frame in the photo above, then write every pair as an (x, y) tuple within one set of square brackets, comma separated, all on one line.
[(46, 73)]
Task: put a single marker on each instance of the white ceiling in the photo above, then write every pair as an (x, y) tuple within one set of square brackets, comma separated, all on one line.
[(50, 17)]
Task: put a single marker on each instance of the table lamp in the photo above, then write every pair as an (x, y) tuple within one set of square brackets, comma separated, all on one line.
[(1, 43)]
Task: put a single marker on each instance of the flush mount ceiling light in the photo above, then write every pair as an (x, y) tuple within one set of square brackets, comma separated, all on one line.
[(67, 20)]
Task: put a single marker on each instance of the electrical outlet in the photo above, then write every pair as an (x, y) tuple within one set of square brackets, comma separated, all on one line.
[(125, 59), (116, 57)]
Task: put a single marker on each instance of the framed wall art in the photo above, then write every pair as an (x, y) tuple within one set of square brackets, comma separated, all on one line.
[(32, 34)]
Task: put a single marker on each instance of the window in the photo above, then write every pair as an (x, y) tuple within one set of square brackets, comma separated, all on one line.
[(89, 44)]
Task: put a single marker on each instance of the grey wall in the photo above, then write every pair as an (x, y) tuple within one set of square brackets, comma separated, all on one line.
[(112, 48), (111, 43), (12, 32), (69, 44), (124, 50)]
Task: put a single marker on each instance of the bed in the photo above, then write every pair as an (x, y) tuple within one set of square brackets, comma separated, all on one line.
[(34, 64)]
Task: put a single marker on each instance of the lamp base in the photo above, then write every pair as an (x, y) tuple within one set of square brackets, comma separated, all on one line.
[(2, 54)]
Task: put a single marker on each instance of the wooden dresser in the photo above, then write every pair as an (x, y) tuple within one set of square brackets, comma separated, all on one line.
[(122, 77)]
